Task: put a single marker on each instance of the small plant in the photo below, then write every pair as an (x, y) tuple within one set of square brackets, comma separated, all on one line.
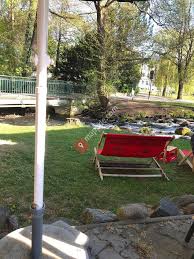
[(145, 130), (116, 128), (125, 118), (140, 116)]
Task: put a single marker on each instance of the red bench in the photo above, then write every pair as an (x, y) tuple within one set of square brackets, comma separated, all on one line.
[(130, 146)]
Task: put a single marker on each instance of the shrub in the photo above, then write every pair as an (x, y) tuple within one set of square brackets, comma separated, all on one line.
[(182, 113), (140, 115), (145, 130)]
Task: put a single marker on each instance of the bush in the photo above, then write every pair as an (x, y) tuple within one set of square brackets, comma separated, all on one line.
[(182, 113), (145, 130), (125, 118), (140, 115)]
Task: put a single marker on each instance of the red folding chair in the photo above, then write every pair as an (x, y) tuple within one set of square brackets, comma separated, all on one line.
[(130, 146), (169, 155)]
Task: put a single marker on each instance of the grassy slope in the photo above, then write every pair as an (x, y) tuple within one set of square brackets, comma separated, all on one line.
[(71, 183)]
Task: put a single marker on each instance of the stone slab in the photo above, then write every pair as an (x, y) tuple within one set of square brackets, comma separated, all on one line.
[(57, 243), (109, 253), (160, 239)]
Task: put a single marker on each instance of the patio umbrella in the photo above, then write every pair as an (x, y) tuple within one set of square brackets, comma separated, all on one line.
[(40, 125)]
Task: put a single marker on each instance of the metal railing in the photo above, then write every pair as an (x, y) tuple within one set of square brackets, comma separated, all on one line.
[(26, 86)]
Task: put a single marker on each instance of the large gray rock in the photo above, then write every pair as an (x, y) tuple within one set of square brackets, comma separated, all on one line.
[(166, 208), (96, 246), (90, 216), (109, 253), (130, 253), (133, 211), (188, 209), (4, 213), (184, 123), (183, 200), (57, 243), (72, 232), (61, 224), (12, 222)]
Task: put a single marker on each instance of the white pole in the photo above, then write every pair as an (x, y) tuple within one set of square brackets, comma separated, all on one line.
[(41, 92)]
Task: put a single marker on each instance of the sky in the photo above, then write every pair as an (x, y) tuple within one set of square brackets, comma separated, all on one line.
[(82, 6)]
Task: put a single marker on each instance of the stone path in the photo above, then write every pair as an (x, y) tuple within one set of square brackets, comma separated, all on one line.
[(163, 240), (115, 240)]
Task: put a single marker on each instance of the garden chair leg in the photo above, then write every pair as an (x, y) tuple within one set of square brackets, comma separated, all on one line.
[(189, 233)]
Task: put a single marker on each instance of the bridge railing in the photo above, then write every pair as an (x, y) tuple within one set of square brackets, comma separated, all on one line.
[(24, 85)]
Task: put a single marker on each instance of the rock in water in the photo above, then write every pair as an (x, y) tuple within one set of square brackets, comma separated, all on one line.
[(133, 211), (184, 131), (90, 216), (185, 123), (165, 209)]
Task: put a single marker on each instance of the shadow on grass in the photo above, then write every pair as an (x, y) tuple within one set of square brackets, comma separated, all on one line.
[(71, 182)]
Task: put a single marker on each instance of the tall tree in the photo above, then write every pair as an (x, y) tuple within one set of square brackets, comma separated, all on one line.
[(12, 22), (102, 10), (103, 33), (166, 75), (175, 40), (29, 35)]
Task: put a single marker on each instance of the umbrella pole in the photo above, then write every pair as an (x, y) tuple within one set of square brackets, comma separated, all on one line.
[(40, 124)]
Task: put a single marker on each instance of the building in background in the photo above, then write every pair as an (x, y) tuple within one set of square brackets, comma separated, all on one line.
[(145, 84)]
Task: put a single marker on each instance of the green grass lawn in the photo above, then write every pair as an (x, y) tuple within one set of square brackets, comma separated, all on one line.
[(71, 183)]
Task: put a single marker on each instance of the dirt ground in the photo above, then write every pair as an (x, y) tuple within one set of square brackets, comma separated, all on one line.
[(28, 120), (145, 108)]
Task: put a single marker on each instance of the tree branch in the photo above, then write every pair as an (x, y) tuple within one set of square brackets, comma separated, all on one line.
[(61, 16), (109, 2)]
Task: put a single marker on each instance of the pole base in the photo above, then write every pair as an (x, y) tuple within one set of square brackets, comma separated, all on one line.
[(37, 229)]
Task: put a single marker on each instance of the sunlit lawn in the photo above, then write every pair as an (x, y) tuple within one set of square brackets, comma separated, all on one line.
[(71, 183)]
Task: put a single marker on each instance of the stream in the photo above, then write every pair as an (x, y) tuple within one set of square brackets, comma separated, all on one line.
[(157, 128)]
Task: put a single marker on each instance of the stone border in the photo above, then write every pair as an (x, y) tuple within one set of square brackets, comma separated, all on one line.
[(138, 221)]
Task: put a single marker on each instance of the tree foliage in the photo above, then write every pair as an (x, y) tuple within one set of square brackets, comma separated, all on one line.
[(166, 76), (116, 61), (175, 39)]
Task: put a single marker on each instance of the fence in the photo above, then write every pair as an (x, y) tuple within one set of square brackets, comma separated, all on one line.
[(24, 85)]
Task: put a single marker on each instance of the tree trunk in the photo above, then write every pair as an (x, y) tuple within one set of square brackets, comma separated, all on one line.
[(29, 36), (58, 51), (181, 81), (180, 90), (165, 86), (101, 71)]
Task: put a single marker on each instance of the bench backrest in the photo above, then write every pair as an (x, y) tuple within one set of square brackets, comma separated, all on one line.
[(124, 145)]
